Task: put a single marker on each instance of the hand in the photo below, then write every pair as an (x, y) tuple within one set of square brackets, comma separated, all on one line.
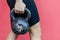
[(19, 7)]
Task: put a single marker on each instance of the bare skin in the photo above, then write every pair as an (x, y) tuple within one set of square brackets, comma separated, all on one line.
[(35, 33), (35, 30), (19, 6)]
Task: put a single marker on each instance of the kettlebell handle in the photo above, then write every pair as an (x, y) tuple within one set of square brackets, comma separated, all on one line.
[(12, 14), (28, 14), (26, 10)]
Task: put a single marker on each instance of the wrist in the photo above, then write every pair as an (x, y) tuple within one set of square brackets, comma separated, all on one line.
[(19, 0)]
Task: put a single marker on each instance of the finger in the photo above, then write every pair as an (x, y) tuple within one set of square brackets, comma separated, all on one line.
[(19, 12)]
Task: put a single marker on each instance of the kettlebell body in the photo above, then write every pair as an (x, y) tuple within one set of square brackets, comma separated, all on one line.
[(20, 25)]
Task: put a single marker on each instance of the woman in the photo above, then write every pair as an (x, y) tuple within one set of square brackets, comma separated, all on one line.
[(19, 7)]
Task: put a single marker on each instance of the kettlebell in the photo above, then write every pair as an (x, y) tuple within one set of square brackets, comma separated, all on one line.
[(20, 25)]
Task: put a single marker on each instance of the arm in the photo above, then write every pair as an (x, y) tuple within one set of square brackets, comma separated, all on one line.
[(19, 6), (19, 0), (35, 32)]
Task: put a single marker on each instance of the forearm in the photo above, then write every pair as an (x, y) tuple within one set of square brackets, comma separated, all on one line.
[(35, 32), (19, 0)]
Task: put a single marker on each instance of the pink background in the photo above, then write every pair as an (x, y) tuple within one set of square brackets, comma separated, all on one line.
[(49, 12)]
